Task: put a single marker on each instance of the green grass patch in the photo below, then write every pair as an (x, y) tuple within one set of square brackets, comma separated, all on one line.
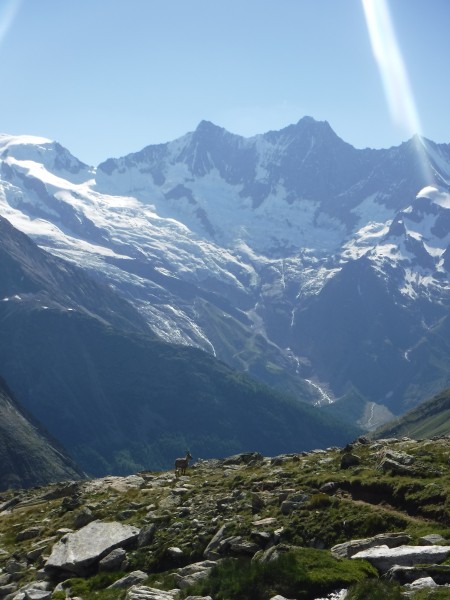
[(94, 588), (430, 594), (303, 573), (375, 590)]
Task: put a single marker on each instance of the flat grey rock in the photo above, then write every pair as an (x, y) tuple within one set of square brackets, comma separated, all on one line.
[(141, 592), (77, 551), (384, 558), (348, 549)]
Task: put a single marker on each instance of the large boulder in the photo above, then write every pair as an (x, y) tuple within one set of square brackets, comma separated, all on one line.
[(384, 558), (212, 549), (141, 592), (191, 574), (221, 545), (36, 590), (391, 540), (349, 460), (396, 468), (130, 579), (79, 552), (114, 561), (432, 539), (403, 575)]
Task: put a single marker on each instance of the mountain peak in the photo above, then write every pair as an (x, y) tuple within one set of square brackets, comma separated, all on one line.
[(52, 155), (307, 120), (305, 125), (207, 126), (307, 128), (311, 125), (206, 129)]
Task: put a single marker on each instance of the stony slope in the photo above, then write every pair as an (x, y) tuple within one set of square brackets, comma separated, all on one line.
[(143, 531)]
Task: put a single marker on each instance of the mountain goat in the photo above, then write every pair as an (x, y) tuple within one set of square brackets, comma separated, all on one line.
[(181, 464)]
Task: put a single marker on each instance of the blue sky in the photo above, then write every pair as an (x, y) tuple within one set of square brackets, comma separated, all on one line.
[(108, 77)]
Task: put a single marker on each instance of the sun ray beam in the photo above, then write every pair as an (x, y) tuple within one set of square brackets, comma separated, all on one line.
[(7, 15), (394, 75)]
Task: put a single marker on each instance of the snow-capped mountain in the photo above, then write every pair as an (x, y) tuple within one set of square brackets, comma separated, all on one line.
[(379, 325), (228, 188), (258, 250)]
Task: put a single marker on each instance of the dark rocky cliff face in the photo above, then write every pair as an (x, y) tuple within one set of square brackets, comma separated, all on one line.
[(28, 456)]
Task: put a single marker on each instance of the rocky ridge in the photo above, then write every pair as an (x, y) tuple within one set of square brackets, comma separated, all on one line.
[(156, 536)]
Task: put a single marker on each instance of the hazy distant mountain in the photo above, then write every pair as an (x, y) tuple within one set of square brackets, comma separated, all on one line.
[(430, 419), (28, 457), (316, 267)]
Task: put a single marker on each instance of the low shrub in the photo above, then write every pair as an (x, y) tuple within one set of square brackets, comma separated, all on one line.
[(320, 500)]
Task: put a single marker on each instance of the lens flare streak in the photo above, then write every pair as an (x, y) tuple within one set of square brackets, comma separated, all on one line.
[(388, 56), (7, 16), (390, 63)]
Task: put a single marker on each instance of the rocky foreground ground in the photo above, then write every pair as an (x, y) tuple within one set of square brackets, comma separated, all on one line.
[(373, 510)]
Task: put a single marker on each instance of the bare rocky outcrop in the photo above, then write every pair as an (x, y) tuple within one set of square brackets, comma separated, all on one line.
[(212, 549), (235, 545), (189, 575)]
